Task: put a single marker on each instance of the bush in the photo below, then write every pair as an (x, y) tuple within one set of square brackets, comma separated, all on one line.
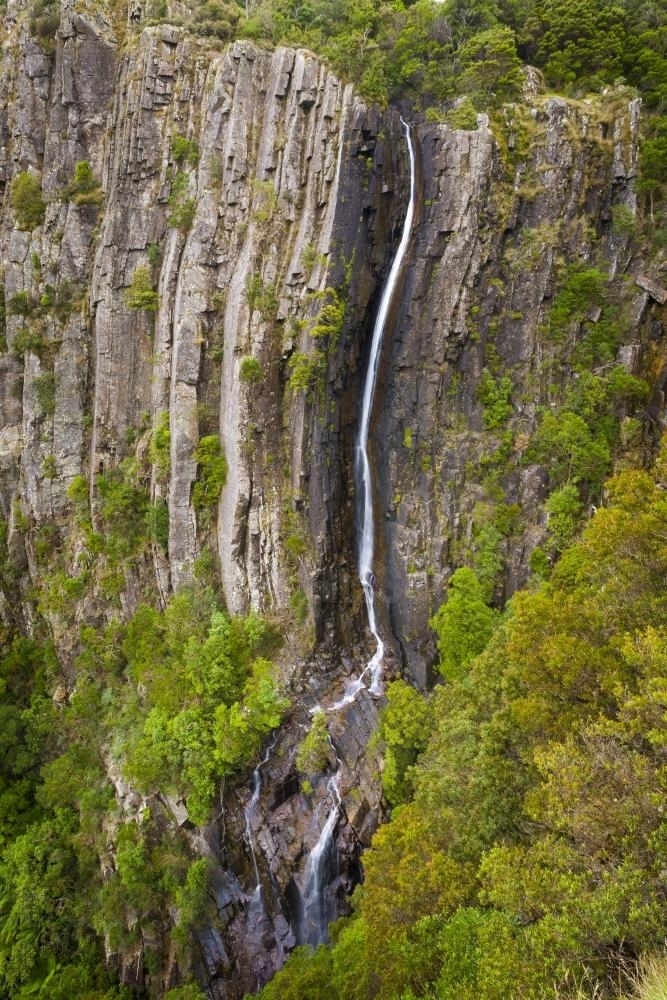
[(313, 753), (464, 624), (84, 188), (27, 203), (141, 294), (50, 467), (21, 304), (182, 207), (44, 387), (157, 524), (251, 370), (306, 371), (160, 447), (565, 510), (583, 288), (403, 732), (494, 395), (212, 472), (184, 150), (463, 116), (32, 341)]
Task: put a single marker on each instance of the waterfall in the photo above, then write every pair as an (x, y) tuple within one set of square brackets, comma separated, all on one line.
[(248, 813), (317, 910), (362, 465)]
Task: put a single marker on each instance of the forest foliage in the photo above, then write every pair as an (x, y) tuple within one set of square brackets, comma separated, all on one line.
[(527, 853), (428, 52), (172, 702)]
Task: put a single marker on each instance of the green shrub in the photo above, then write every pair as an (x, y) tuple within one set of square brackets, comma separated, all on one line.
[(327, 324), (212, 472), (565, 510), (262, 297), (141, 294), (157, 524), (491, 66), (583, 288), (78, 492), (190, 991), (463, 116), (403, 733), (251, 369), (313, 753), (84, 189), (463, 625), (299, 605), (182, 207), (184, 151), (50, 467), (306, 371), (153, 253), (44, 387), (32, 341), (27, 203), (160, 447), (21, 304), (494, 395), (565, 444)]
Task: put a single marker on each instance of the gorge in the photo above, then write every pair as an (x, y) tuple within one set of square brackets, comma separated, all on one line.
[(267, 311)]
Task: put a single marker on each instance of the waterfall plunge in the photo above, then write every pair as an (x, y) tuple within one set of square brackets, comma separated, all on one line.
[(317, 910), (362, 466)]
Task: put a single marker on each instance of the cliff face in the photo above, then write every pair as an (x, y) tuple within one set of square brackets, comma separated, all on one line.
[(274, 215), (242, 194), (506, 219)]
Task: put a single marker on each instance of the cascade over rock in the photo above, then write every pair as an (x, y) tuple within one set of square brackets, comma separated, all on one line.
[(297, 187)]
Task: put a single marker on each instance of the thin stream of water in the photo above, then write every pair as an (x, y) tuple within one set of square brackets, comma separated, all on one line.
[(316, 905), (249, 812), (316, 911), (363, 469)]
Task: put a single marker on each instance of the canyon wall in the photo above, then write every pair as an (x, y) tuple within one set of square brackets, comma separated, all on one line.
[(215, 282)]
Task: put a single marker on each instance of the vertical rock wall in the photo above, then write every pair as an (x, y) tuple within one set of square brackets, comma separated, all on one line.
[(279, 205), (505, 214), (243, 185)]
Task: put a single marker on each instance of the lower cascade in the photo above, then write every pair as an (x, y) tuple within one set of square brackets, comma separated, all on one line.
[(249, 813), (318, 909)]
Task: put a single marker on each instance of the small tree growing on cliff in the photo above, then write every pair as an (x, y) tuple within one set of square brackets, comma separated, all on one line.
[(212, 472), (27, 202), (313, 753), (141, 294)]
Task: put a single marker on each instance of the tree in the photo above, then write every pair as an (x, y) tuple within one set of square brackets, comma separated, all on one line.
[(464, 624), (403, 732), (27, 202), (491, 68)]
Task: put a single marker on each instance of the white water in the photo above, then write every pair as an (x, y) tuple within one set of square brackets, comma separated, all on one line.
[(364, 479), (317, 910), (249, 813), (315, 916)]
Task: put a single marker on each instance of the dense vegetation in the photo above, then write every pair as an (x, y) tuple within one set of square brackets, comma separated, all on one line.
[(427, 53), (527, 858), (174, 700)]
